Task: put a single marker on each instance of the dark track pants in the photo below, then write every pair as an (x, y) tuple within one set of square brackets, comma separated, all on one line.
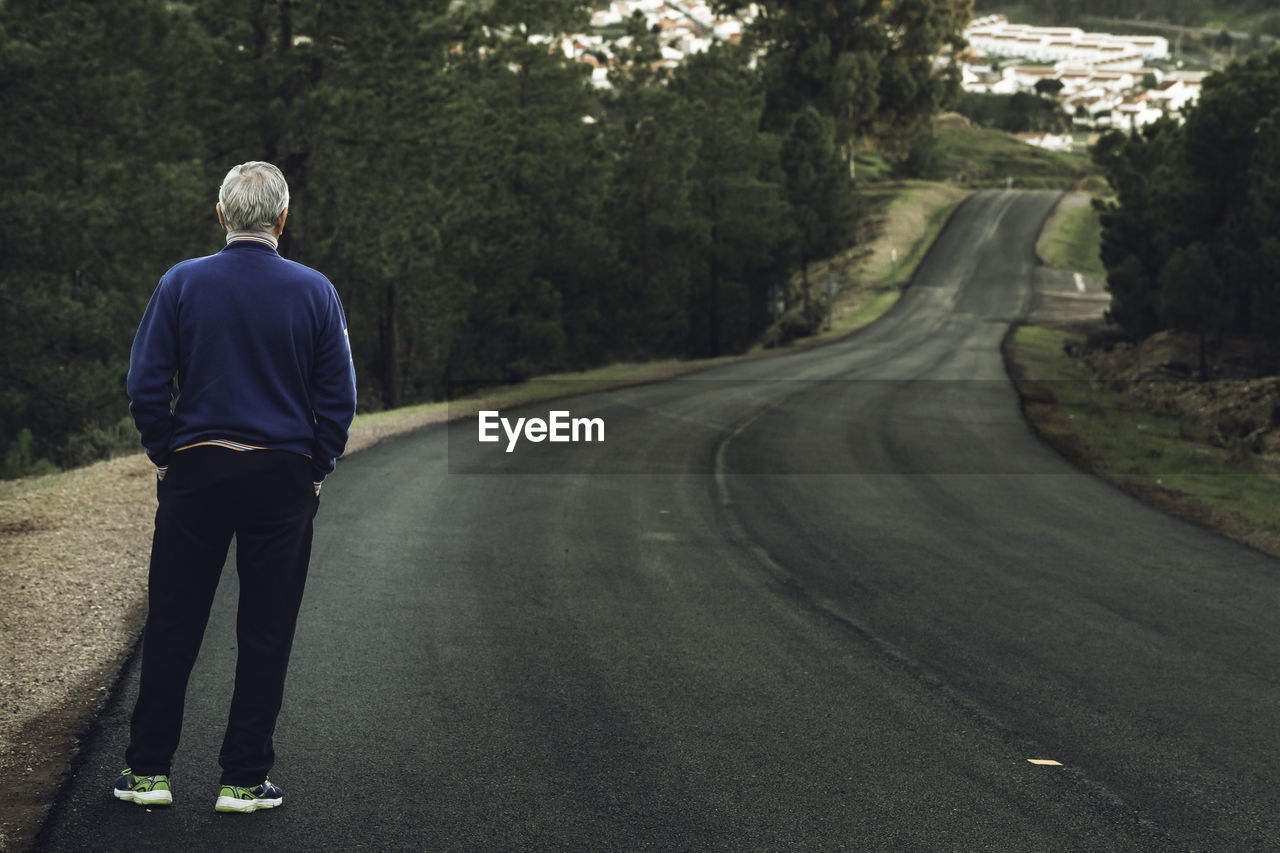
[(264, 498)]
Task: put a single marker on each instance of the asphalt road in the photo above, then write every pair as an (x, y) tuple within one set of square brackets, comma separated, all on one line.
[(833, 600)]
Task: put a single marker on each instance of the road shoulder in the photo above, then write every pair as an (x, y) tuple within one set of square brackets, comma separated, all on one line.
[(1206, 452)]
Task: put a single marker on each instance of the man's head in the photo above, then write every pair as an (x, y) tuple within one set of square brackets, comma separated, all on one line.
[(253, 197)]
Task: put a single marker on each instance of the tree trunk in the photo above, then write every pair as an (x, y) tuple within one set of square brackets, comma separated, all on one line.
[(713, 309), (808, 301), (390, 347)]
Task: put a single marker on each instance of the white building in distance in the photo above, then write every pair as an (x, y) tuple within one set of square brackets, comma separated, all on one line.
[(1101, 74), (995, 36), (683, 27)]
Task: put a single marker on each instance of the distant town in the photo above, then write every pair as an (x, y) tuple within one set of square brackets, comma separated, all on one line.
[(1107, 81), (683, 27)]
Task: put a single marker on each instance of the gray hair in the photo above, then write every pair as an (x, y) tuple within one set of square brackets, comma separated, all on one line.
[(253, 195)]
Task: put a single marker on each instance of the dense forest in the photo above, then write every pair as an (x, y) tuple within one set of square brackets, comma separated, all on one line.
[(1192, 239), (484, 212)]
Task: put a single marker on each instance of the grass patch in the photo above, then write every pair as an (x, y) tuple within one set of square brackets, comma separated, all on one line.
[(1072, 237), (871, 166), (906, 219), (979, 156), (921, 213), (870, 310), (1158, 456)]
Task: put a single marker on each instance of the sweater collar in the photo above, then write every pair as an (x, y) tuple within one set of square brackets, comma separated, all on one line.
[(252, 237)]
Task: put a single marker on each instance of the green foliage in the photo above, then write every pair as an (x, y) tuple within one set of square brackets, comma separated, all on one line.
[(643, 308), (100, 441), (20, 459), (1020, 112), (1189, 294), (819, 192), (982, 157), (922, 158), (484, 213), (737, 196), (867, 66), (101, 172), (1048, 87), (1189, 242), (1070, 240)]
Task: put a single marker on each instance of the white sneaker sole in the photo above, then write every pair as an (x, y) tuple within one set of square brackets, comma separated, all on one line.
[(145, 798), (231, 804)]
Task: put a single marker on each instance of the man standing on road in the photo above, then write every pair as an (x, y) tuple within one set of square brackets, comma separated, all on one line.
[(265, 397)]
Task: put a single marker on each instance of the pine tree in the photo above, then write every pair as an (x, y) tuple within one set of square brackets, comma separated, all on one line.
[(380, 193), (536, 274), (738, 196), (102, 172), (820, 193), (1146, 222), (1257, 252), (1190, 296), (649, 210), (867, 64)]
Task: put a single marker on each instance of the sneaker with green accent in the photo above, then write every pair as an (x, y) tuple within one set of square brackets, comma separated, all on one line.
[(143, 790), (236, 799)]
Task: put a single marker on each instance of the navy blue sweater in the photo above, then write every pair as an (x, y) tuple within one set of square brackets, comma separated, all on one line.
[(259, 347)]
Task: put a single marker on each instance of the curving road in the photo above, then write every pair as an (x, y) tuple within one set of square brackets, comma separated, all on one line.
[(833, 600)]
